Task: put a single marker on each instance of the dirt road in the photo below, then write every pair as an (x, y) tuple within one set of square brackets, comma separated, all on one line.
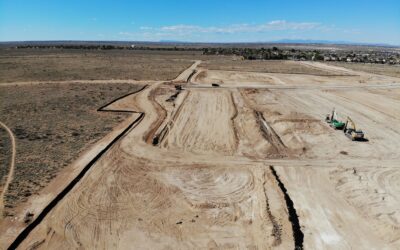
[(11, 169), (240, 167)]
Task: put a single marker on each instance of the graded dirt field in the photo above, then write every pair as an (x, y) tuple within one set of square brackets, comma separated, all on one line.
[(288, 74), (247, 165), (380, 69), (274, 66)]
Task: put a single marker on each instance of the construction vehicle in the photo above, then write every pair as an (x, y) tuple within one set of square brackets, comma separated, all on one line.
[(352, 132), (333, 121)]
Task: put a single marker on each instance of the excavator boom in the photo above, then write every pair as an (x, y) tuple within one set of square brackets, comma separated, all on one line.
[(351, 131), (352, 124)]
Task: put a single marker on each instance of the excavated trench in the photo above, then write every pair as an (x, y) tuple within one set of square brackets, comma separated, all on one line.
[(271, 136), (298, 235), (159, 137), (191, 75)]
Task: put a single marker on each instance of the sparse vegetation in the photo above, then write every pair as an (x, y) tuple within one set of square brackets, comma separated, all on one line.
[(53, 124), (62, 65), (5, 156)]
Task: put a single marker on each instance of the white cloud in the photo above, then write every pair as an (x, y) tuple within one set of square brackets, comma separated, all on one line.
[(234, 32), (145, 28), (123, 33), (242, 28)]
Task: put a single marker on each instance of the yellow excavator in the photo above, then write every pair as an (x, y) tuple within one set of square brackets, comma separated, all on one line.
[(352, 132)]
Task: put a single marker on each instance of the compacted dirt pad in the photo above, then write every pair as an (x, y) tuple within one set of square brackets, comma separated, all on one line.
[(239, 168), (204, 123)]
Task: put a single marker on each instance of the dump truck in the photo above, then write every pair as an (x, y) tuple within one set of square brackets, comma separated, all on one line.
[(352, 132), (332, 120)]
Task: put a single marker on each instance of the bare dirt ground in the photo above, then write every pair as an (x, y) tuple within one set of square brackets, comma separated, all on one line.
[(244, 166), (381, 69), (274, 66)]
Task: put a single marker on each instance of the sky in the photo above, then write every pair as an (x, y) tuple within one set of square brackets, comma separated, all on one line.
[(361, 21)]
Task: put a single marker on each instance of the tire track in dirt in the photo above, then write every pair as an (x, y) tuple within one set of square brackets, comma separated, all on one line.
[(10, 175), (381, 187)]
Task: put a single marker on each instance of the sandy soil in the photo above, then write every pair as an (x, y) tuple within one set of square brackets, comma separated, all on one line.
[(239, 167), (335, 76), (381, 69), (223, 77), (204, 124)]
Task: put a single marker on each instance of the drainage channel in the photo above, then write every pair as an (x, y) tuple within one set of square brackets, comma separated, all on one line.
[(189, 79), (298, 235)]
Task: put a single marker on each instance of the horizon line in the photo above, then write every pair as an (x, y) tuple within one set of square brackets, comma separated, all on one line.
[(281, 41)]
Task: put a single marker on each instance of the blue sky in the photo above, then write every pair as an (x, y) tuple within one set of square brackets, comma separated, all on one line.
[(369, 21)]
